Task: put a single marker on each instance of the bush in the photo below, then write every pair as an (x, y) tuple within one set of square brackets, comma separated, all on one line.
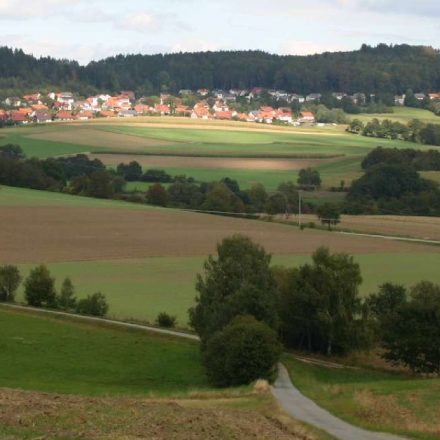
[(9, 281), (165, 320), (244, 351), (40, 288), (95, 305)]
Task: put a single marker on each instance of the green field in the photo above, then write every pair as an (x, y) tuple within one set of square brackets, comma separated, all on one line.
[(140, 289), (374, 399), (208, 142), (63, 356), (402, 114)]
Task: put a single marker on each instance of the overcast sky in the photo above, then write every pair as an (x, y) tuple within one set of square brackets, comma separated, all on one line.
[(93, 29)]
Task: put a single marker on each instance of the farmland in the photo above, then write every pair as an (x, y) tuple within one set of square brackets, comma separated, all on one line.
[(372, 398), (146, 259), (119, 384), (157, 143)]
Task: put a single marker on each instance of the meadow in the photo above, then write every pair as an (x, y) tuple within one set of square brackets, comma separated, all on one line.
[(49, 354), (402, 114), (335, 153), (375, 399)]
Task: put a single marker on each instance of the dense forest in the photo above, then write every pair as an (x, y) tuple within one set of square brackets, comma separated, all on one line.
[(380, 69)]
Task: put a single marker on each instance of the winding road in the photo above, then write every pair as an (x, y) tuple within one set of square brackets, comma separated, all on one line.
[(289, 398), (306, 410)]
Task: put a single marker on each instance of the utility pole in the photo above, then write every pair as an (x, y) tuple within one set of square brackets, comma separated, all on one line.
[(299, 209)]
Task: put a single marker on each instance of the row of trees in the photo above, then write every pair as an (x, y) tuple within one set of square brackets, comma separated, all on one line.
[(380, 70), (414, 131), (245, 311), (40, 291), (421, 160)]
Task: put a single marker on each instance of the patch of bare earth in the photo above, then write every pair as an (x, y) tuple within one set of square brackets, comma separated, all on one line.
[(51, 233), (99, 138), (211, 162), (49, 416)]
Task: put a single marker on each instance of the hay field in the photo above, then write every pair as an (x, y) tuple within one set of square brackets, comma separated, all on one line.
[(212, 163), (98, 138), (427, 228)]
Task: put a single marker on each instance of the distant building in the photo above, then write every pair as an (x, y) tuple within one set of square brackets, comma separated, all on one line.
[(306, 118)]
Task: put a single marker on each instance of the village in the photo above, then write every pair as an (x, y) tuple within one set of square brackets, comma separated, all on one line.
[(41, 108)]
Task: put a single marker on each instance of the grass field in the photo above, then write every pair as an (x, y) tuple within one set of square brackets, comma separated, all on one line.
[(63, 356), (373, 399), (145, 259), (181, 140), (141, 289), (403, 115)]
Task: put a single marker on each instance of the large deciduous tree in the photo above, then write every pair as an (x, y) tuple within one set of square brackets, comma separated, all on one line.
[(236, 282), (320, 307)]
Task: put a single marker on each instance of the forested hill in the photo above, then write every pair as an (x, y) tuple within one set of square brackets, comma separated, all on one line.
[(384, 69)]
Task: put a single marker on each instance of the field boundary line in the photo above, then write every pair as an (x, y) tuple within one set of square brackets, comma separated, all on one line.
[(145, 328), (392, 237)]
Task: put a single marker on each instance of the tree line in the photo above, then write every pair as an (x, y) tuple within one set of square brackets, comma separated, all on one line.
[(413, 131), (40, 291), (381, 69), (246, 311), (79, 175)]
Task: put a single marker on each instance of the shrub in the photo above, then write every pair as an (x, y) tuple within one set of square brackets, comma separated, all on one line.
[(40, 288), (165, 320), (95, 305), (244, 351), (9, 281)]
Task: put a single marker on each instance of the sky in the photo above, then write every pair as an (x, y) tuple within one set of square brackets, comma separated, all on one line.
[(87, 30)]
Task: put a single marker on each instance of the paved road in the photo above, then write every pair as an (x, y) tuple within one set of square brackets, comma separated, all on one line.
[(305, 410)]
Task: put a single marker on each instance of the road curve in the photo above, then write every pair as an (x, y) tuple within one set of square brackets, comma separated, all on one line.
[(305, 410)]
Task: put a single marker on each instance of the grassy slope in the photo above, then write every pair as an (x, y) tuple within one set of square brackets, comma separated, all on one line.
[(72, 357), (141, 289), (373, 399)]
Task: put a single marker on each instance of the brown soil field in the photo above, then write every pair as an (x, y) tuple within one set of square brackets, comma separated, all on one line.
[(26, 414), (51, 233), (212, 163), (179, 122), (427, 228), (99, 138)]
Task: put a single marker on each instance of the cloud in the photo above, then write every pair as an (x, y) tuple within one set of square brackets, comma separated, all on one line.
[(142, 21), (427, 8), (18, 9)]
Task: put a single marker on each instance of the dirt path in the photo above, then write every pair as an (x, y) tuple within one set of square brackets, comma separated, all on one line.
[(305, 410)]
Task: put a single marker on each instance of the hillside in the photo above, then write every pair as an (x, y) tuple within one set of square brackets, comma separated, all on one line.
[(381, 69)]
